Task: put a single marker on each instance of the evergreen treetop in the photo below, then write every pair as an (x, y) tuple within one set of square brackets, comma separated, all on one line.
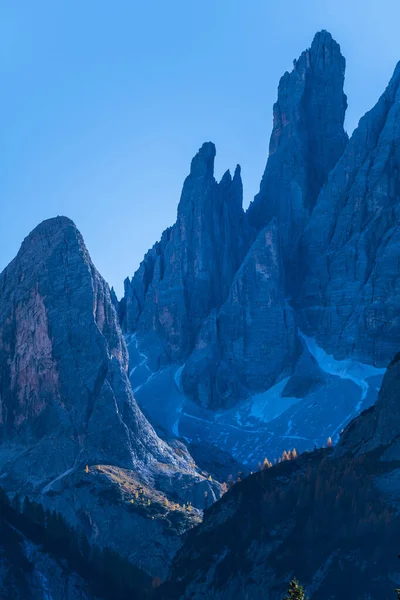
[(295, 591)]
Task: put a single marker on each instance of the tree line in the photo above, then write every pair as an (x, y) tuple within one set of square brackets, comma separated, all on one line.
[(108, 574)]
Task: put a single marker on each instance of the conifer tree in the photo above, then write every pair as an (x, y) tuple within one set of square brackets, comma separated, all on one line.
[(4, 501), (27, 508), (398, 590), (38, 513), (16, 503), (295, 591), (84, 546)]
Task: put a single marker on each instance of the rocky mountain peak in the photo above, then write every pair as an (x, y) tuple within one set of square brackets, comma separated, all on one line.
[(307, 138), (324, 50), (226, 178), (42, 241), (67, 410), (202, 164), (188, 273)]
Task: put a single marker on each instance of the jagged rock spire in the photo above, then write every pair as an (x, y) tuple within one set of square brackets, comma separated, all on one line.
[(188, 273), (307, 138), (203, 162)]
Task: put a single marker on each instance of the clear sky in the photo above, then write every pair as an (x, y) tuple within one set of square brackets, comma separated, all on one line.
[(104, 103)]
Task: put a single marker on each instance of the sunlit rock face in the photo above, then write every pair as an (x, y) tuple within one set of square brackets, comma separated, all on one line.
[(72, 434), (63, 359)]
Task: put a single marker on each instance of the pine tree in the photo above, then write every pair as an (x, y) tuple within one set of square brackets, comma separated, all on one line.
[(27, 509), (16, 503), (4, 501), (295, 591), (38, 513), (84, 546), (398, 590)]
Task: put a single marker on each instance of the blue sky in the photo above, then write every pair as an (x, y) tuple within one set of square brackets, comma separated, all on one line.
[(104, 103)]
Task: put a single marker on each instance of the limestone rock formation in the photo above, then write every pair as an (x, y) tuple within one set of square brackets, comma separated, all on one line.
[(251, 343), (66, 403), (205, 295), (189, 272), (307, 139), (349, 296)]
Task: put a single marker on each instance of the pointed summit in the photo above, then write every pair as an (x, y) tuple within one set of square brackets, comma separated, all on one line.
[(323, 55), (226, 178), (190, 271), (65, 396), (307, 138), (323, 44), (238, 172), (203, 163), (49, 232), (235, 181)]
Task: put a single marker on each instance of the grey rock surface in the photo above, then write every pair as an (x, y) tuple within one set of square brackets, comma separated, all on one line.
[(330, 518), (317, 260), (66, 400), (349, 297), (212, 294), (307, 139), (251, 343), (189, 272)]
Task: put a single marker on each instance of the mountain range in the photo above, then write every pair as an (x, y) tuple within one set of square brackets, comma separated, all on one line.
[(242, 335), (273, 327)]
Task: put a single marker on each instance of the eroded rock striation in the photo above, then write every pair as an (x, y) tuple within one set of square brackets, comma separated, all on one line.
[(349, 296), (307, 139), (66, 403), (188, 273), (251, 342), (213, 293)]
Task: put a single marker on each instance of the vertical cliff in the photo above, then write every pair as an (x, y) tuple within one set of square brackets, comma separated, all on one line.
[(188, 273)]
